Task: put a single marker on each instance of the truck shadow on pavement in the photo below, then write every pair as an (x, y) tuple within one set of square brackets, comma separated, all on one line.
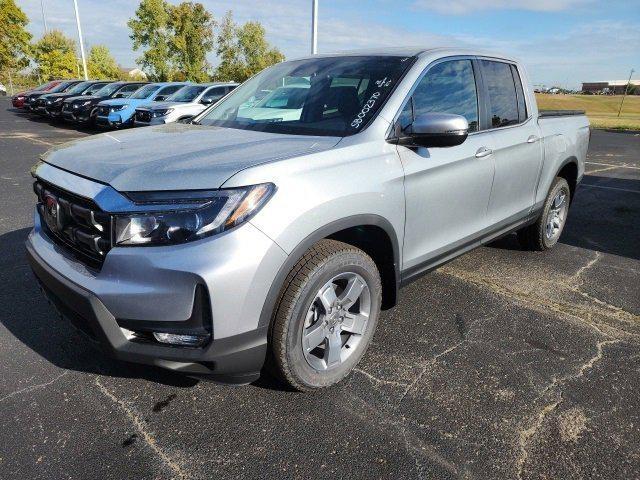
[(604, 217), (29, 318)]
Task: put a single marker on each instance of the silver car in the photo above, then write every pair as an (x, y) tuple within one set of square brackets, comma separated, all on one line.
[(242, 238), (186, 103)]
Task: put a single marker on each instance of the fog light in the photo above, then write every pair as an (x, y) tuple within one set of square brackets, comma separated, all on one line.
[(180, 339)]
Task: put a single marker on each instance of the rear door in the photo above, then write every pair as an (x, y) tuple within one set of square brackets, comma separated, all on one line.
[(517, 147), (447, 189)]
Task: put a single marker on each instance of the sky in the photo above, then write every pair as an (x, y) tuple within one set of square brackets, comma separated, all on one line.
[(561, 42)]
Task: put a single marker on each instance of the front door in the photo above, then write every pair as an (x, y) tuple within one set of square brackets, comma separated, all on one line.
[(447, 189)]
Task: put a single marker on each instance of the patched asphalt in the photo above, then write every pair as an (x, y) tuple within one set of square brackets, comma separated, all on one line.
[(502, 364)]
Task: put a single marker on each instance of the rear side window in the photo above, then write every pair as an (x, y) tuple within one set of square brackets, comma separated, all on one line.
[(448, 87), (503, 101)]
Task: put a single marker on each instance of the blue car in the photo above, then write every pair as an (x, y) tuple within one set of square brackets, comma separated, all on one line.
[(120, 112)]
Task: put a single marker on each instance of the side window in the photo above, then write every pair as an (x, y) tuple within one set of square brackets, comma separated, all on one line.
[(214, 94), (448, 87), (503, 101), (522, 105), (166, 91), (128, 89)]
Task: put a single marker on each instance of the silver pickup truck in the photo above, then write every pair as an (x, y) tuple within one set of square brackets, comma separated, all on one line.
[(249, 239)]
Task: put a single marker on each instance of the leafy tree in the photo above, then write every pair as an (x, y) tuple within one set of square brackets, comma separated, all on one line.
[(55, 56), (243, 50), (14, 37), (150, 28), (193, 37), (101, 64)]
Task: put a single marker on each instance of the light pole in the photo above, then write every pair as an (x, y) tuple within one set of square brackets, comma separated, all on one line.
[(84, 61), (314, 27), (44, 17), (625, 91)]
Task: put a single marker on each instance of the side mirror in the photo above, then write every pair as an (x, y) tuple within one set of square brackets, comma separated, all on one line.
[(160, 98), (437, 130), (185, 120), (206, 101), (119, 95)]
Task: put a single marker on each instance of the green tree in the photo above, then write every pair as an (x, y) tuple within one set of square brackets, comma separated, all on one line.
[(243, 50), (14, 37), (192, 38), (55, 56), (150, 29), (101, 64)]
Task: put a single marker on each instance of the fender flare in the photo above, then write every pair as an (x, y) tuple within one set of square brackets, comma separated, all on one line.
[(296, 254)]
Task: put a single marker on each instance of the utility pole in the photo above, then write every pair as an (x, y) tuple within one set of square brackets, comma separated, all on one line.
[(44, 17), (314, 27), (10, 82), (84, 61), (626, 88)]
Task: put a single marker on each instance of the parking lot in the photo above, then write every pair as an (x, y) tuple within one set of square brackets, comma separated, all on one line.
[(502, 364)]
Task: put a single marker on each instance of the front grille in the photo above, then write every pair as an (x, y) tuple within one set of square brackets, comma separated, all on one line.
[(75, 223), (103, 111), (143, 115)]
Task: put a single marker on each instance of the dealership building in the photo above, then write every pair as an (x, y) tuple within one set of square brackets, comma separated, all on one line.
[(614, 86)]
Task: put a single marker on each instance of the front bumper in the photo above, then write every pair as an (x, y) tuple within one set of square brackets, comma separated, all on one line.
[(54, 111), (157, 284), (114, 120), (153, 121), (79, 114)]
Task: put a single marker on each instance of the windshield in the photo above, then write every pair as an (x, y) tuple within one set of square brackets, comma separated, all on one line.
[(186, 94), (79, 88), (317, 96), (61, 87), (145, 91)]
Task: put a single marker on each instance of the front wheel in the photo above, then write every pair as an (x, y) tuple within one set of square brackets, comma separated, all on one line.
[(545, 233), (326, 316)]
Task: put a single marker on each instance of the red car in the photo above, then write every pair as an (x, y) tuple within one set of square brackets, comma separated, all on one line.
[(18, 99)]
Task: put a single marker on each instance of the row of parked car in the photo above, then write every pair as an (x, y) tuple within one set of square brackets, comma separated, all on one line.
[(108, 104)]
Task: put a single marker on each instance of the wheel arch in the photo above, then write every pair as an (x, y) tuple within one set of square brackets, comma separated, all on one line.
[(371, 233), (569, 171)]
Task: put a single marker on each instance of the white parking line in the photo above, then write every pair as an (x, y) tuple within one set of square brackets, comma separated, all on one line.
[(612, 165), (609, 188)]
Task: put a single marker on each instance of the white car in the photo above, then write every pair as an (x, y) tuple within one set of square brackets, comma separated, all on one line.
[(182, 105), (3, 90)]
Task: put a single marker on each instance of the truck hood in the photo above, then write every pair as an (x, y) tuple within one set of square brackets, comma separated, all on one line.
[(177, 156)]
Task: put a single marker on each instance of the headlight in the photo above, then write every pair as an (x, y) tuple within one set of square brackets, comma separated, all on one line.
[(222, 210), (162, 113), (86, 102), (49, 102), (118, 108), (58, 100)]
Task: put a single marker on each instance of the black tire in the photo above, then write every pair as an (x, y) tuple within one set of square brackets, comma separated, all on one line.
[(320, 264), (533, 237)]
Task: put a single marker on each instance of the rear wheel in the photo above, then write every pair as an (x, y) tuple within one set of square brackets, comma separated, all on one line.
[(326, 316), (545, 233)]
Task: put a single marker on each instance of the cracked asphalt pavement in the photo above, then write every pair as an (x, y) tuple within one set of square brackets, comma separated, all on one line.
[(502, 364)]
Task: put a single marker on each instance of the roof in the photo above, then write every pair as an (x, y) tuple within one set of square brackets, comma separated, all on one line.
[(411, 51)]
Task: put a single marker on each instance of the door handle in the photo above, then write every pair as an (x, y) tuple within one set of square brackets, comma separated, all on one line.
[(483, 152), (532, 139)]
